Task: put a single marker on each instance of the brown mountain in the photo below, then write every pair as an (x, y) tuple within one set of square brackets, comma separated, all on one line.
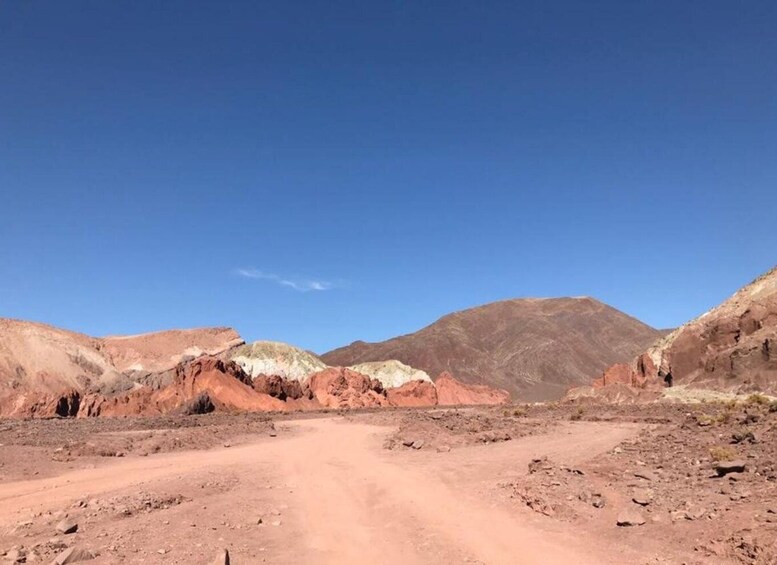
[(534, 348), (731, 348)]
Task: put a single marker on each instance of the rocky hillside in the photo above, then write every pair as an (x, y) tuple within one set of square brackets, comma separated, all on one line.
[(276, 358), (731, 348), (46, 372), (39, 357), (534, 348), (391, 374), (162, 351)]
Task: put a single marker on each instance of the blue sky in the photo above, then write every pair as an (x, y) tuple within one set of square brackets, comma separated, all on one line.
[(329, 171)]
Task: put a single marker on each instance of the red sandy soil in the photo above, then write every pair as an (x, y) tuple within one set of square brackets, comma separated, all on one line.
[(326, 489)]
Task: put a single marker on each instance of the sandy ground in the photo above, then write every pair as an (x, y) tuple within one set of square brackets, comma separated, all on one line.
[(325, 491), (487, 486)]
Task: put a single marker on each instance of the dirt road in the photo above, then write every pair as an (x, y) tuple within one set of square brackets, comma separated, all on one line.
[(325, 492)]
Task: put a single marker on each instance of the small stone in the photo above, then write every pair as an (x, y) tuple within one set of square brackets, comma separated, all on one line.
[(629, 518), (647, 475), (642, 497), (67, 527), (14, 556), (418, 444), (443, 449), (408, 442), (222, 558), (723, 468), (72, 555)]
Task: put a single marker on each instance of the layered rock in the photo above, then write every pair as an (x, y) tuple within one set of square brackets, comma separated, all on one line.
[(206, 380), (162, 351), (731, 348), (391, 373), (452, 392), (276, 358)]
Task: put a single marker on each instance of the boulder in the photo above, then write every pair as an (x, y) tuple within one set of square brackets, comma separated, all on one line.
[(67, 526), (338, 387), (73, 555)]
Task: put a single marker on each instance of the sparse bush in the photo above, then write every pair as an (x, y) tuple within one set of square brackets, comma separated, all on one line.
[(578, 414), (773, 406), (757, 399), (519, 412), (722, 453), (704, 419)]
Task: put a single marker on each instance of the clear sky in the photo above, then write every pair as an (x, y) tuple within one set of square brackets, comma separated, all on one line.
[(321, 172)]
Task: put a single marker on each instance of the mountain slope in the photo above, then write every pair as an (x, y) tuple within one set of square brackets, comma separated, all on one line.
[(39, 357), (733, 347), (534, 348)]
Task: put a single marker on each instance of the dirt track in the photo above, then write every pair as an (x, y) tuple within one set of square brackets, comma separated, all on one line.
[(326, 492)]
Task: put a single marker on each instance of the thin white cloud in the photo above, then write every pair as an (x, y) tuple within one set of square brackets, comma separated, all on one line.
[(300, 285)]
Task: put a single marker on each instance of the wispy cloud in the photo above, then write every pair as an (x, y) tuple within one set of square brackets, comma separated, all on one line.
[(300, 285)]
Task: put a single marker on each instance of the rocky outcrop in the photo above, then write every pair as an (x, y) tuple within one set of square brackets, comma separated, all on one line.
[(279, 387), (534, 348), (338, 387), (731, 348), (392, 373), (275, 358), (226, 385), (451, 392), (38, 358), (162, 351), (413, 393)]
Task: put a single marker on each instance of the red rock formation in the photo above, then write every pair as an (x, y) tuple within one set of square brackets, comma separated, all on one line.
[(226, 385), (413, 393), (451, 392), (338, 387), (642, 374), (279, 387), (732, 348)]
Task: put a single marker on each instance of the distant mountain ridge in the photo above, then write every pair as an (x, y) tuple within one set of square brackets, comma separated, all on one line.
[(536, 348)]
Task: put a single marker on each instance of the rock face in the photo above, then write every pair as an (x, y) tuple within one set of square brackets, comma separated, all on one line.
[(275, 358), (226, 385), (392, 373), (451, 392), (413, 393), (278, 387), (338, 387), (43, 369), (731, 348), (534, 348), (47, 372), (162, 351)]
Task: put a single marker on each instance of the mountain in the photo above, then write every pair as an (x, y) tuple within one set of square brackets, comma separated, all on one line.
[(162, 351), (39, 357), (731, 348), (534, 348)]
